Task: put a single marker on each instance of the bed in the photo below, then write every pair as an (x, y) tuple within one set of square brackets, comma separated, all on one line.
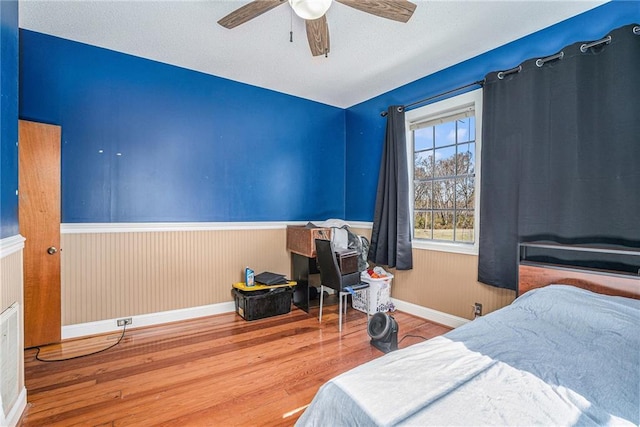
[(558, 355)]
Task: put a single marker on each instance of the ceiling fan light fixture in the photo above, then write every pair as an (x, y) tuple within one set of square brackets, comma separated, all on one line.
[(310, 9)]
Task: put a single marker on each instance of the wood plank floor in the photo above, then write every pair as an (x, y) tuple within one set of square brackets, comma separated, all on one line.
[(212, 371)]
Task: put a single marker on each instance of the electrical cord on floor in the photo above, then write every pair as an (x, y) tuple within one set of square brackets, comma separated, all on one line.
[(412, 336), (124, 329)]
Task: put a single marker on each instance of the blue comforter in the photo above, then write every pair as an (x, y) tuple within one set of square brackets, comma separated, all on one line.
[(556, 356)]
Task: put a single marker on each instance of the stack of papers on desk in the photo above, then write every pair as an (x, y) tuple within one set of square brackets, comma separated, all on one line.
[(268, 278)]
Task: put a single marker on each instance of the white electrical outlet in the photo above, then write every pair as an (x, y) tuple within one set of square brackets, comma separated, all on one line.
[(123, 322)]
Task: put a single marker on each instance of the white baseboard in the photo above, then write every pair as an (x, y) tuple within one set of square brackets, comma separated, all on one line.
[(110, 325), (16, 412), (430, 314)]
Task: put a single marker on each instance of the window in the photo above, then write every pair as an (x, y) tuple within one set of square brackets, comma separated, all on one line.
[(445, 153)]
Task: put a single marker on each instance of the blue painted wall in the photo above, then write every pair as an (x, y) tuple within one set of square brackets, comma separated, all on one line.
[(8, 118), (144, 141), (191, 145), (366, 129)]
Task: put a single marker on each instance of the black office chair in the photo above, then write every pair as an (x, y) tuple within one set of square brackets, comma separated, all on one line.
[(331, 277)]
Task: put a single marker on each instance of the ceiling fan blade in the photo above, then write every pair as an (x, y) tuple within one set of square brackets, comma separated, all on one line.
[(318, 35), (398, 10), (248, 12)]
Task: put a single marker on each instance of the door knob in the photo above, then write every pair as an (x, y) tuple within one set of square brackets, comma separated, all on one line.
[(52, 250)]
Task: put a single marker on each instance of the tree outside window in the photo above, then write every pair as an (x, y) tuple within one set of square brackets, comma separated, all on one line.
[(444, 180)]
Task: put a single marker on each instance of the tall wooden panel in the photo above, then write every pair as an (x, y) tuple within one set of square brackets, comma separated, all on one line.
[(39, 218)]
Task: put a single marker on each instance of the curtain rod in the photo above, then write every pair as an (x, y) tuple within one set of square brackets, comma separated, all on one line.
[(422, 101)]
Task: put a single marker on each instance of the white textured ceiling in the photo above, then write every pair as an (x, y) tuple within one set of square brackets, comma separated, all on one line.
[(369, 55)]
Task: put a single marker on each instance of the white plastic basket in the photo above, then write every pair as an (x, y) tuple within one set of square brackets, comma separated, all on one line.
[(379, 294)]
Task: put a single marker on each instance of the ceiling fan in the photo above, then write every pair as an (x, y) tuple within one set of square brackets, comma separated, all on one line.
[(313, 12)]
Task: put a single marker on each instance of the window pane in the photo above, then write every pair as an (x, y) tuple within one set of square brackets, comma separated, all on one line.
[(464, 130), (422, 226), (444, 172), (423, 165), (443, 225), (465, 193), (466, 159), (423, 138), (445, 134), (464, 227), (443, 194), (422, 198), (445, 161)]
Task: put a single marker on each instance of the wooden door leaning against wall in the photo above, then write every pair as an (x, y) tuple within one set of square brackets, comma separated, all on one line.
[(39, 219)]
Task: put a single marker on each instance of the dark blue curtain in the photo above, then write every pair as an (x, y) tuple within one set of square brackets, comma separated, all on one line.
[(561, 153), (391, 234)]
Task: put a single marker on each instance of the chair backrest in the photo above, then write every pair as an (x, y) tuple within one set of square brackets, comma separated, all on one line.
[(330, 275)]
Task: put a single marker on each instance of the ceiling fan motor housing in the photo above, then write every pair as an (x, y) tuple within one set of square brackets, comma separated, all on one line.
[(310, 9), (383, 330)]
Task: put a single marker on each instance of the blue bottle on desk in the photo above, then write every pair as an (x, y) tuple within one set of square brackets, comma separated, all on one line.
[(249, 277)]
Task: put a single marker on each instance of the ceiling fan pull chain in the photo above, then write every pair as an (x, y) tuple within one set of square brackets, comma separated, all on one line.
[(326, 41), (291, 26)]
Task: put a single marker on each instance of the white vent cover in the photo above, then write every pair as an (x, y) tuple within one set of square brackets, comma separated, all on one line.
[(9, 354)]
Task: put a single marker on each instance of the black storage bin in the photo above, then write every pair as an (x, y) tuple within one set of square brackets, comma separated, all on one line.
[(252, 305)]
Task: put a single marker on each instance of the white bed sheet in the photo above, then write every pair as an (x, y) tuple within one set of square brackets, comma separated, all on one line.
[(556, 356)]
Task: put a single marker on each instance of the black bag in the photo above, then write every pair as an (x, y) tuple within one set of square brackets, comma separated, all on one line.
[(360, 244), (268, 278)]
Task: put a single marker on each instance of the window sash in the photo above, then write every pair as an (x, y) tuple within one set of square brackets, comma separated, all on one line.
[(432, 121), (446, 117), (463, 106)]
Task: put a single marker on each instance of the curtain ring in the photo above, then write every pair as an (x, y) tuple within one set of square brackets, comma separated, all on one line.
[(384, 113), (502, 74), (586, 46), (540, 62)]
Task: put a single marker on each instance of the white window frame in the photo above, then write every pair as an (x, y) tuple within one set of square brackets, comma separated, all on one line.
[(446, 108)]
